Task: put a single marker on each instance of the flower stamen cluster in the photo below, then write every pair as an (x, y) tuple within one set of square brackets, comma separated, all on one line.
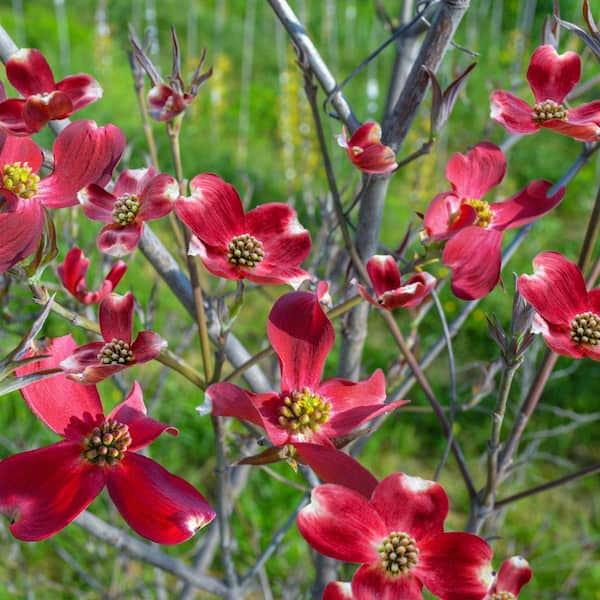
[(245, 251), (115, 352), (548, 110), (106, 445), (18, 179), (585, 329), (484, 214), (303, 412), (399, 553), (126, 209)]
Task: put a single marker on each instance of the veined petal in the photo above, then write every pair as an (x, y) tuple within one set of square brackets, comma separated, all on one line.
[(512, 113), (412, 505), (273, 274), (116, 240), (455, 566), (82, 89), (97, 203), (338, 590), (585, 114), (371, 582), (16, 149), (73, 269), (514, 573), (84, 366), (551, 75), (42, 491), (301, 335), (214, 259), (341, 523), (376, 158), (29, 72), (475, 173), (367, 134), (558, 339), (155, 503), (134, 181), (589, 132), (11, 117), (527, 206), (556, 289), (40, 109), (132, 412), (57, 400), (473, 254), (383, 273), (447, 214), (147, 346), (158, 198), (116, 317), (411, 293)]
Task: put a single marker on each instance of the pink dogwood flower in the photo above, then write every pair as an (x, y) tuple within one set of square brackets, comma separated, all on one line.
[(551, 76), (365, 150), (390, 293), (265, 245), (43, 490), (139, 195), (44, 99), (398, 536), (568, 315), (307, 410), (514, 573), (338, 590), (473, 226), (83, 153), (72, 273), (97, 361)]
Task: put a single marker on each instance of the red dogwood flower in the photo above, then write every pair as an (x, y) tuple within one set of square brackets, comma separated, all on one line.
[(338, 590), (551, 77), (43, 490), (568, 315), (97, 361), (83, 153), (44, 99), (307, 410), (265, 245), (398, 536), (514, 573), (365, 150), (390, 293), (473, 226), (139, 195), (72, 274)]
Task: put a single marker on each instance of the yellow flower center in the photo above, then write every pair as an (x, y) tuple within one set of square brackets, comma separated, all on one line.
[(484, 214), (245, 251), (18, 179), (548, 110), (115, 352), (398, 553), (585, 329), (503, 596), (106, 445), (303, 412), (126, 209)]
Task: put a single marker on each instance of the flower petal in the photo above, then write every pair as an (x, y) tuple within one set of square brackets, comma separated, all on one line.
[(551, 75), (514, 114), (338, 590), (134, 181), (42, 491), (214, 259), (589, 132), (375, 158), (82, 89), (528, 205), (473, 254), (117, 240), (475, 173), (29, 72), (353, 538), (411, 293), (132, 412), (559, 340), (147, 346), (585, 114), (40, 109), (455, 566), (556, 289), (301, 335), (97, 203), (372, 582), (22, 150), (116, 317), (155, 503), (383, 273), (367, 134), (514, 573), (447, 214), (57, 400), (213, 212), (84, 365), (11, 117), (158, 198), (412, 505), (271, 274)]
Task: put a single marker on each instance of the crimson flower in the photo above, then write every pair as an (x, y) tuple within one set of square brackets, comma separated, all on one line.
[(43, 490), (365, 150), (83, 153), (139, 195), (390, 293), (306, 410), (568, 315), (473, 226), (514, 573), (265, 245), (551, 77), (398, 536), (44, 99), (97, 361), (72, 274)]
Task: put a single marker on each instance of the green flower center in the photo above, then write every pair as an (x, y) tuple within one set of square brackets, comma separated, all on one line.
[(303, 412), (115, 352), (126, 209), (503, 596), (18, 179), (245, 251), (585, 329), (106, 445), (398, 553), (484, 214), (547, 110)]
